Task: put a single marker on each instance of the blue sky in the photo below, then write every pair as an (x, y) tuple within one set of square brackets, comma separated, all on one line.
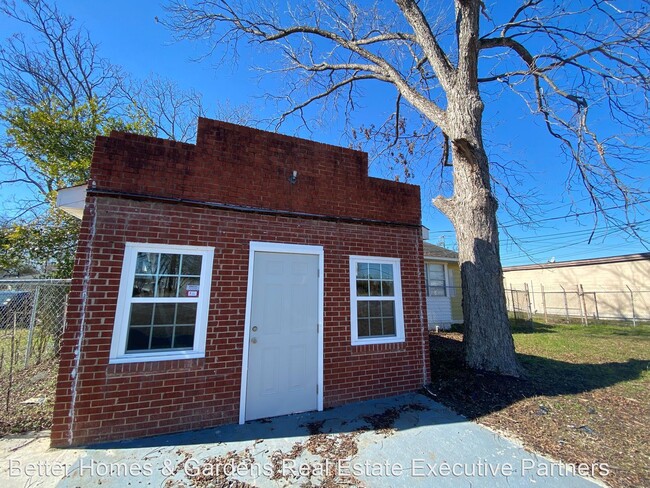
[(130, 37)]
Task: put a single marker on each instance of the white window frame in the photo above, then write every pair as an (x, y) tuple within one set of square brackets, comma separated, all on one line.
[(445, 276), (118, 354), (399, 311)]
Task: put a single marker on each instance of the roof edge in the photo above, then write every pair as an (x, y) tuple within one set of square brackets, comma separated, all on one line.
[(582, 262)]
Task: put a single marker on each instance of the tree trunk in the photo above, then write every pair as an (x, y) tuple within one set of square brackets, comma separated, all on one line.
[(472, 210)]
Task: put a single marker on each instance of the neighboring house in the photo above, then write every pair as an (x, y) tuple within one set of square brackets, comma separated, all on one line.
[(607, 274), (250, 275), (442, 277), (611, 287)]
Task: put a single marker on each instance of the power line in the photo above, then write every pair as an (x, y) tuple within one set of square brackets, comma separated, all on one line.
[(514, 221), (548, 219), (580, 214), (557, 247), (568, 234)]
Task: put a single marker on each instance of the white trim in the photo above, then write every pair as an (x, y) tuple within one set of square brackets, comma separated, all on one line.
[(448, 260), (120, 327), (256, 246), (72, 200), (399, 311)]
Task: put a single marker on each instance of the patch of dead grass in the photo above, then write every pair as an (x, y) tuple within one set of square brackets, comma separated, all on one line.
[(35, 381)]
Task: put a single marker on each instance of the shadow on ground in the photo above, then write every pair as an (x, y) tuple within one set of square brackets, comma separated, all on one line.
[(475, 393)]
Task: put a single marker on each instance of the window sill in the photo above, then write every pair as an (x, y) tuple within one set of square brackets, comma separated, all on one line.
[(378, 340), (155, 357)]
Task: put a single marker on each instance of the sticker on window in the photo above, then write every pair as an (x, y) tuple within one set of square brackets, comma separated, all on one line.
[(192, 291)]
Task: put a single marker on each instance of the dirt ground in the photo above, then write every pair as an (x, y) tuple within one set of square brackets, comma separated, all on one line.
[(567, 409), (35, 382)]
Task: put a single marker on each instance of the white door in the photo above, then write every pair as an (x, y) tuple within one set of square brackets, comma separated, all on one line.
[(283, 336)]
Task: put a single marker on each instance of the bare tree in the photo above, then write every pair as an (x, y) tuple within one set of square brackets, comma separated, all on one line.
[(56, 95), (52, 66), (565, 59), (58, 60), (171, 111)]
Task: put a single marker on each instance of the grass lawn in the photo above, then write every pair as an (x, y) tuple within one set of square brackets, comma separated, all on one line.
[(586, 398)]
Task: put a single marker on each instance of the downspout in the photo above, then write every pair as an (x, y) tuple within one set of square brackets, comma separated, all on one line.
[(425, 338), (74, 374)]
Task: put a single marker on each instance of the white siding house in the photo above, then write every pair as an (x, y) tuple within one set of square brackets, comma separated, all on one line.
[(442, 277)]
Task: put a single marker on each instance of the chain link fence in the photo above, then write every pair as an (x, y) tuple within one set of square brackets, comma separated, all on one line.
[(32, 316), (574, 303)]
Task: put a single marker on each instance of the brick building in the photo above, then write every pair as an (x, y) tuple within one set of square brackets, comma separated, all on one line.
[(250, 275)]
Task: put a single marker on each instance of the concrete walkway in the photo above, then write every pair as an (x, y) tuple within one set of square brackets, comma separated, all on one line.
[(408, 440)]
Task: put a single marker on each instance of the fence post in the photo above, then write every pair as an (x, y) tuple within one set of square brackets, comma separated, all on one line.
[(566, 305), (532, 296), (32, 322), (633, 312), (514, 305), (59, 333), (11, 364), (596, 306), (530, 310), (544, 304), (584, 303)]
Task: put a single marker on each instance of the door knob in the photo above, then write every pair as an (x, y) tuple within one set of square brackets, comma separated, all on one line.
[(255, 328), (253, 340)]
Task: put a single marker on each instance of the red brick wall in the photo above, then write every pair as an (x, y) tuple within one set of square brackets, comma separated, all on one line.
[(97, 401), (242, 166)]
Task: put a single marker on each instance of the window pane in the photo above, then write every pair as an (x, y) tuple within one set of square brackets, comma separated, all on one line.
[(375, 327), (186, 313), (436, 276), (436, 272), (376, 318), (144, 286), (388, 309), (362, 288), (362, 309), (363, 327), (162, 337), (387, 272), (389, 326), (167, 286), (191, 265), (437, 291), (375, 288), (362, 271), (184, 337), (169, 264), (138, 338), (164, 313), (374, 271), (387, 288), (375, 309), (189, 287), (141, 314), (146, 263), (164, 334)]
